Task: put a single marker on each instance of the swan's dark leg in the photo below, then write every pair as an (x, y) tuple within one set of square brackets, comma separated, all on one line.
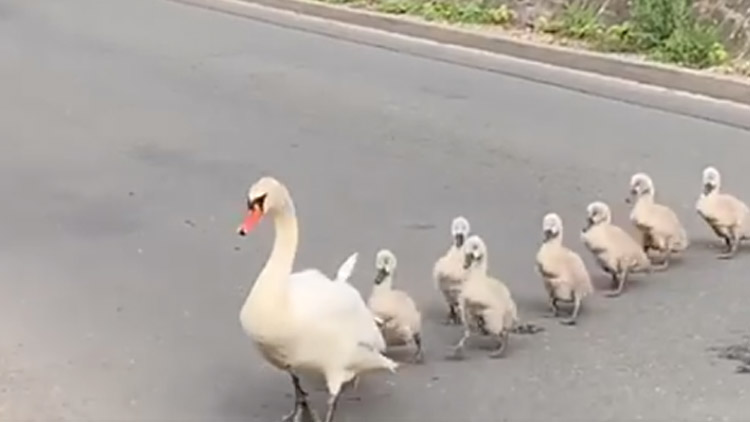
[(302, 411)]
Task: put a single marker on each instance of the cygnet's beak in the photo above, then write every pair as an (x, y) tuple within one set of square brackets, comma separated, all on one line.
[(707, 188), (459, 239), (380, 276), (587, 225), (631, 197), (548, 234), (468, 259)]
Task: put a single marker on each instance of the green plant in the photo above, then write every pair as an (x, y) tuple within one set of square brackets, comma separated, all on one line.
[(470, 12), (577, 20), (617, 38), (397, 7), (694, 46), (654, 21)]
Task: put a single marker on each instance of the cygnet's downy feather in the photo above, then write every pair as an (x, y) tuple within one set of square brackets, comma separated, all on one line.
[(448, 272), (399, 319), (615, 251), (485, 303), (728, 216), (565, 276), (658, 225)]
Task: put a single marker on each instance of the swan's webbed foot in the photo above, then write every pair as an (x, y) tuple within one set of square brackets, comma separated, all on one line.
[(302, 411)]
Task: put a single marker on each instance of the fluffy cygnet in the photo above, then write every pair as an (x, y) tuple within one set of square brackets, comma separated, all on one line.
[(485, 303), (398, 317), (728, 216), (616, 252), (566, 278), (659, 226), (448, 272)]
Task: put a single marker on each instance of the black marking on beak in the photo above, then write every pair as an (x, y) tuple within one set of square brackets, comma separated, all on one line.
[(258, 202), (380, 276)]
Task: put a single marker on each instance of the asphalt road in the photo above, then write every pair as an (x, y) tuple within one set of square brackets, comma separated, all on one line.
[(131, 130)]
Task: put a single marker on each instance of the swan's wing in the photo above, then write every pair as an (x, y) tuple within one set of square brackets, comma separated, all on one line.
[(314, 297), (347, 268)]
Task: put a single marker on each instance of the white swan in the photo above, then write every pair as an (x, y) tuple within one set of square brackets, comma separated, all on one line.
[(305, 322)]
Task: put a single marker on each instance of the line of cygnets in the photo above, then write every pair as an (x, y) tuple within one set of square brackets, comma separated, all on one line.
[(304, 322)]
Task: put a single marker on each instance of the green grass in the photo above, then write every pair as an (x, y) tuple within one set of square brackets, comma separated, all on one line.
[(662, 30)]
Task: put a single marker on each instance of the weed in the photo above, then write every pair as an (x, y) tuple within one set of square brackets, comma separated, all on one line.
[(578, 21)]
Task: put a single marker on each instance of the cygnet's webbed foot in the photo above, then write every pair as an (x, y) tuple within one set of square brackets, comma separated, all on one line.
[(456, 353), (726, 255), (499, 352), (527, 328), (614, 293), (732, 245), (661, 266)]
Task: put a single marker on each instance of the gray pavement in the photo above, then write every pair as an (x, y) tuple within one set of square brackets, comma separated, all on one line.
[(131, 130)]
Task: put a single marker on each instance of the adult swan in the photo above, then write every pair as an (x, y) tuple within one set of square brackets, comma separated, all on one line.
[(304, 322)]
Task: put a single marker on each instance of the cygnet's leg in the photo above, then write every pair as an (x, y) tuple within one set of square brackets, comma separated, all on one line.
[(453, 317), (576, 309), (621, 278), (732, 245), (458, 349), (555, 309), (419, 354), (664, 264), (301, 411), (500, 350)]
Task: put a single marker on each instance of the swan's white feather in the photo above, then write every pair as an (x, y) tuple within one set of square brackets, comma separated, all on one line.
[(315, 297)]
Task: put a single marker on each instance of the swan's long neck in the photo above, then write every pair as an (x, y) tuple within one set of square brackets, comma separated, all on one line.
[(272, 285)]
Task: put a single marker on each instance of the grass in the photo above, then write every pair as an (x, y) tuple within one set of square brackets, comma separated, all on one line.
[(661, 30), (475, 12)]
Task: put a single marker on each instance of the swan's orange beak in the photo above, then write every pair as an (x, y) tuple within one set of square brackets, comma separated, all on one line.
[(251, 220)]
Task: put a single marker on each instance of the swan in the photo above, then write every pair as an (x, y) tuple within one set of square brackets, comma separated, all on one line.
[(304, 322)]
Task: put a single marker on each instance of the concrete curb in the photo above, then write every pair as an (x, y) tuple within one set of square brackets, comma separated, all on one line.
[(716, 86)]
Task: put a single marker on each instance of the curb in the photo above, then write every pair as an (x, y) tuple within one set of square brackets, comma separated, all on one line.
[(671, 77)]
